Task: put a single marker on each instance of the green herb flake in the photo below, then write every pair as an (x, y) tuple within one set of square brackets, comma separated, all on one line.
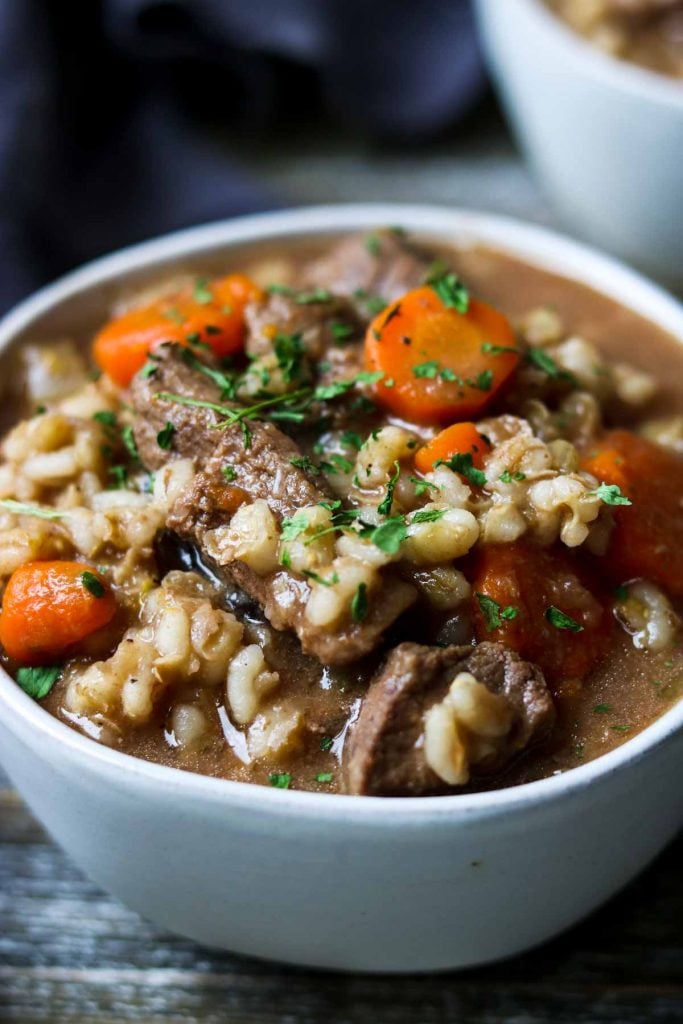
[(201, 292), (293, 527), (359, 604), (307, 465), (280, 780), (505, 477), (560, 620), (174, 315), (422, 487), (334, 578), (384, 507), (426, 370), (494, 615), (37, 681), (451, 291), (340, 331), (352, 439), (119, 475), (229, 473), (92, 583), (542, 361), (621, 592), (165, 436), (20, 508), (461, 463), (602, 709), (610, 494), (326, 744), (483, 381), (496, 350), (105, 417), (324, 777), (620, 728), (389, 535), (148, 370), (373, 245), (289, 351), (128, 438), (428, 515)]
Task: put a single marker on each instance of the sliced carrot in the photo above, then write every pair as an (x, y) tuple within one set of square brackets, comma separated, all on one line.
[(647, 539), (48, 607), (458, 439), (212, 313), (439, 364), (524, 581)]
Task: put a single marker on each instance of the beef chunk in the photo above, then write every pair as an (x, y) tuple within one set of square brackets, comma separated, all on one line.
[(384, 755), (380, 264), (263, 470), (323, 327)]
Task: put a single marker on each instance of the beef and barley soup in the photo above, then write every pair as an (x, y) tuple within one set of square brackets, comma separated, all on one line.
[(358, 515), (644, 32)]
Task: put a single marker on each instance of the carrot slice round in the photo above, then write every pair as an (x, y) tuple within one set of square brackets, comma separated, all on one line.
[(210, 314), (647, 539), (439, 364), (458, 439), (524, 581), (47, 607)]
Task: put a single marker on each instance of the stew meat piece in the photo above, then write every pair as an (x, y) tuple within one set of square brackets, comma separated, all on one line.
[(262, 471), (384, 755), (379, 265)]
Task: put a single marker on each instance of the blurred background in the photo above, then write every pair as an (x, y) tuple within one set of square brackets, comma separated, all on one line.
[(123, 119)]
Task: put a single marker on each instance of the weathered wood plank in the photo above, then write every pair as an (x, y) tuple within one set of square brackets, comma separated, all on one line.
[(69, 953)]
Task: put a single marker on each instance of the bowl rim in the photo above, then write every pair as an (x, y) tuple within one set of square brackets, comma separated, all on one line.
[(621, 74), (536, 245)]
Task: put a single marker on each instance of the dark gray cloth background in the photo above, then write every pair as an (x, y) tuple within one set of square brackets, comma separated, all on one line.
[(116, 115)]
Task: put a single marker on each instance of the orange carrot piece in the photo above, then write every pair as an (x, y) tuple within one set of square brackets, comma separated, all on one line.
[(439, 364), (458, 439), (212, 313), (525, 580), (647, 539), (47, 607)]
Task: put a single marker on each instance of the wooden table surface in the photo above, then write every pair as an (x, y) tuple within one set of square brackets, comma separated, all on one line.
[(69, 954)]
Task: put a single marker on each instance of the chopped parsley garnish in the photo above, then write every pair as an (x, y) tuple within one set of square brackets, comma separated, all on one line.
[(507, 477), (611, 494), (293, 527), (165, 436), (621, 728), (105, 417), (92, 583), (494, 615), (542, 361), (621, 592), (340, 387), (483, 380), (461, 463), (428, 369), (19, 508), (340, 331), (280, 780), (496, 350), (359, 603), (560, 620), (336, 464), (602, 709), (334, 578), (389, 535), (289, 351), (222, 380), (326, 743), (119, 475), (308, 466), (373, 245), (428, 515), (422, 487), (384, 507), (128, 439), (201, 292), (312, 297), (450, 290), (352, 439), (38, 681), (229, 473), (324, 777), (148, 370)]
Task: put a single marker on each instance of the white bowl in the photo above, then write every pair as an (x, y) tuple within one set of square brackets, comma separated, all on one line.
[(605, 137), (355, 883)]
